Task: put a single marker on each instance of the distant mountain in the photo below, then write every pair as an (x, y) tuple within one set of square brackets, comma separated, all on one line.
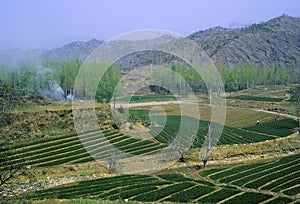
[(276, 40), (75, 50), (272, 41)]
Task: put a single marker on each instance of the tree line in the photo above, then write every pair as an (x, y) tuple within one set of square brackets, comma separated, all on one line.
[(31, 79), (235, 78), (251, 75)]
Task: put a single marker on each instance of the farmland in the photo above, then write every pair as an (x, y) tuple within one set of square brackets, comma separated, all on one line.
[(69, 148), (180, 188), (253, 163)]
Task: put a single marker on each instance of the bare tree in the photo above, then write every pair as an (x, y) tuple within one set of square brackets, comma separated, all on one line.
[(113, 161), (207, 143), (182, 145), (11, 171), (7, 171)]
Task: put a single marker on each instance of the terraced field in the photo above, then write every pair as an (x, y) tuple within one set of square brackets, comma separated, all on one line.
[(69, 149), (281, 176), (230, 135), (268, 182)]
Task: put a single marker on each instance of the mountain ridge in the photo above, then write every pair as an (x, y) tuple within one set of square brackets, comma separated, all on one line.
[(276, 40)]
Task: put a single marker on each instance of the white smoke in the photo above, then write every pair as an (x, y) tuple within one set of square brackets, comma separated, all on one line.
[(55, 91)]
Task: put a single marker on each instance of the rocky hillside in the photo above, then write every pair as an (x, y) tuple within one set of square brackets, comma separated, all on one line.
[(275, 40)]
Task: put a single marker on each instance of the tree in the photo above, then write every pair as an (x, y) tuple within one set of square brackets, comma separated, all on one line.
[(231, 83), (8, 170), (108, 83), (113, 160), (182, 144), (181, 150), (207, 147)]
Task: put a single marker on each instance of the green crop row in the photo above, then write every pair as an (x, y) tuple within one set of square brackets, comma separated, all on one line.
[(281, 175), (44, 140), (243, 171), (229, 136), (69, 149), (236, 170), (163, 192), (133, 143), (218, 196), (270, 177), (94, 186), (255, 133), (249, 197), (281, 180), (255, 173), (293, 191), (135, 187), (56, 144), (181, 178), (252, 169), (208, 172), (63, 159), (279, 200), (137, 146), (28, 156), (175, 188), (50, 139), (288, 184), (283, 127), (189, 194), (133, 192)]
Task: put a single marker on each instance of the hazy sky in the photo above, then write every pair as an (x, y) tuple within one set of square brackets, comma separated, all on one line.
[(53, 23)]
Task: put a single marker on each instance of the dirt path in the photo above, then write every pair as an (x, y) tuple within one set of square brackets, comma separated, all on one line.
[(275, 113)]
